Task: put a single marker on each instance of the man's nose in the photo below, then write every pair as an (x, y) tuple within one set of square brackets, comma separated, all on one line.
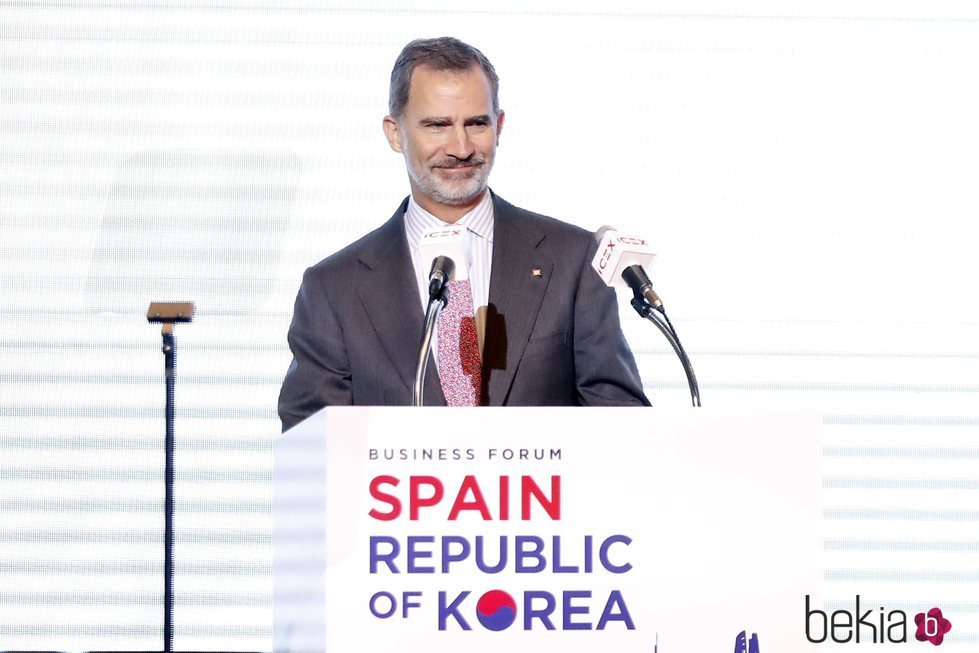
[(460, 146)]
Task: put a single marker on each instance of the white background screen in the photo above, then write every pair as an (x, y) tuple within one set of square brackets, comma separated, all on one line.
[(807, 173)]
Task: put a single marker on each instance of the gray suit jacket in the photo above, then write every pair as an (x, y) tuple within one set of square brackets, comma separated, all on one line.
[(551, 339)]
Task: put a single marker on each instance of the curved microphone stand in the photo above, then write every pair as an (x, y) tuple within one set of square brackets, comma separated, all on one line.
[(666, 328), (431, 317)]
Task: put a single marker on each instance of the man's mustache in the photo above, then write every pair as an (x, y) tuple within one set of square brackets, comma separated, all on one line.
[(456, 163)]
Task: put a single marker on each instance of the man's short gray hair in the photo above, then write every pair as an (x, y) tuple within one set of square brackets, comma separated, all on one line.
[(443, 53)]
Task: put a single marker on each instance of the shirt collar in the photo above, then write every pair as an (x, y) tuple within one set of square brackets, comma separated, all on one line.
[(479, 220)]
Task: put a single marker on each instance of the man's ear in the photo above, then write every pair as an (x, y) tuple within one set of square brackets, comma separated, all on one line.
[(391, 132), (499, 125)]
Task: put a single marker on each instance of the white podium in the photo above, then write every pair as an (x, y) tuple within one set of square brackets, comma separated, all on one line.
[(572, 529)]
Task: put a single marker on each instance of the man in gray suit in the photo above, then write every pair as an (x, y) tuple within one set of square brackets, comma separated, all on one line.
[(548, 327)]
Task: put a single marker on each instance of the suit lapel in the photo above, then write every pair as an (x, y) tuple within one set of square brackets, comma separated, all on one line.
[(515, 296), (389, 293)]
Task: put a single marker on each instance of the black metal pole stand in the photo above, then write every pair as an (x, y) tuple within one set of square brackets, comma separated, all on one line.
[(168, 314), (169, 360)]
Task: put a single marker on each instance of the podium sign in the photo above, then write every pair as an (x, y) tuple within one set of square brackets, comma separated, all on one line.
[(440, 529)]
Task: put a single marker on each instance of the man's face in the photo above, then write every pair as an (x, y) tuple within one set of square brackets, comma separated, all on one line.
[(448, 134)]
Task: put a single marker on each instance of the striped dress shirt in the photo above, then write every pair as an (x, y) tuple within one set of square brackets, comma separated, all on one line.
[(479, 224)]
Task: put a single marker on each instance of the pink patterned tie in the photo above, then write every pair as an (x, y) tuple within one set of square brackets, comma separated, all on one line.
[(458, 349)]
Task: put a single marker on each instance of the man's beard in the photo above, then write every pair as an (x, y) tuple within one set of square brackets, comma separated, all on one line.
[(457, 192)]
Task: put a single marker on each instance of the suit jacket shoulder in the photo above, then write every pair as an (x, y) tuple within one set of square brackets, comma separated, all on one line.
[(388, 240), (564, 232)]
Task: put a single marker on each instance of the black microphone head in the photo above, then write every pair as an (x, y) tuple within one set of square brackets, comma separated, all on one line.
[(637, 278), (442, 269), (443, 265)]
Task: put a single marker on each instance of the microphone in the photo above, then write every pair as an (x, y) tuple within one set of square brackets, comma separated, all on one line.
[(621, 261), (448, 250), (442, 269)]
